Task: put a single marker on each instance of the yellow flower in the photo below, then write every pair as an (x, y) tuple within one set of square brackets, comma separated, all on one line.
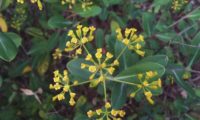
[(116, 62), (98, 111), (72, 95), (107, 105), (56, 73), (139, 76), (146, 85), (131, 40), (72, 102), (149, 95), (139, 52), (69, 2), (122, 113), (88, 57), (159, 82), (79, 51), (99, 64), (151, 74), (20, 1), (92, 69), (83, 65), (39, 3), (178, 4), (75, 82), (132, 95), (56, 79), (86, 4), (61, 96), (109, 55), (51, 86), (61, 82), (111, 70), (66, 88), (90, 113), (114, 112), (98, 55), (57, 86), (126, 41), (79, 38), (57, 54)]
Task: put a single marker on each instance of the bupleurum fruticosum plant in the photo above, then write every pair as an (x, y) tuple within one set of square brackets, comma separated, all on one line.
[(85, 4), (102, 65)]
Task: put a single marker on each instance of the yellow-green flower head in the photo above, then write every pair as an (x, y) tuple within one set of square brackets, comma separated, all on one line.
[(71, 3), (100, 64), (178, 4), (131, 39), (79, 37), (39, 3), (146, 85), (20, 1), (101, 113), (57, 55), (62, 83), (86, 4)]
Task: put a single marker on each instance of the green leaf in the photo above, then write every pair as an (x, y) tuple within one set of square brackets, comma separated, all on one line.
[(58, 22), (111, 2), (147, 23), (118, 95), (184, 85), (114, 25), (53, 40), (74, 66), (15, 38), (87, 12), (35, 32), (166, 37), (131, 72), (4, 4), (160, 59), (127, 58), (38, 48), (195, 15), (8, 49), (99, 38), (119, 92), (118, 19)]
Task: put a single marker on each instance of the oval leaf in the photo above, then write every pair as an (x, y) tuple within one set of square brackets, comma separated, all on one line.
[(8, 49)]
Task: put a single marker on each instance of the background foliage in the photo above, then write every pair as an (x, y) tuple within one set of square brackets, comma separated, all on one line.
[(29, 37)]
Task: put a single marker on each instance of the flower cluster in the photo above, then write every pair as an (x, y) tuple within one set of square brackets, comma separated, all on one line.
[(19, 16), (20, 1), (146, 85), (57, 54), (62, 83), (178, 4), (100, 65), (69, 2), (131, 40), (107, 111), (79, 37), (84, 3), (39, 3)]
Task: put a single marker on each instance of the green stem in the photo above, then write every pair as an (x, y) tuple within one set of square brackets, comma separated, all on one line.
[(105, 98), (193, 58), (119, 81), (86, 49), (81, 83), (120, 54)]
